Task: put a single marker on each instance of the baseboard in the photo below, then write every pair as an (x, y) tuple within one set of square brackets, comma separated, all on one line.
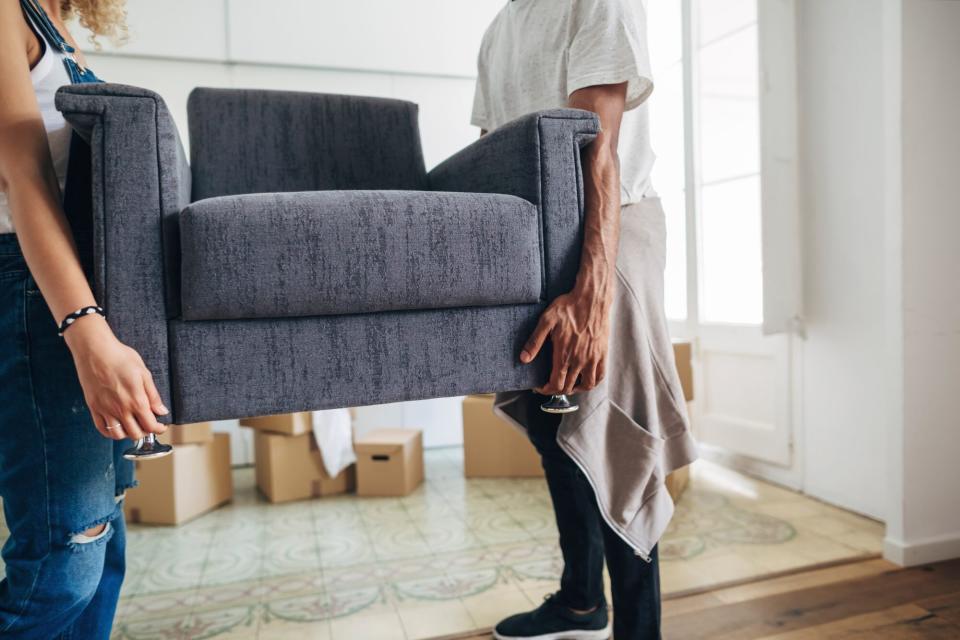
[(923, 551)]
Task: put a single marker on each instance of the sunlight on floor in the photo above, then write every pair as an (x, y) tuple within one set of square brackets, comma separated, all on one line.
[(455, 556)]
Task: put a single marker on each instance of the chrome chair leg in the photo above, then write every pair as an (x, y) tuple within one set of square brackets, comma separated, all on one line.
[(147, 448), (559, 404)]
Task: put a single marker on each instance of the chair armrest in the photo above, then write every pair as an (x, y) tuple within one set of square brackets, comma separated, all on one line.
[(535, 157), (140, 182)]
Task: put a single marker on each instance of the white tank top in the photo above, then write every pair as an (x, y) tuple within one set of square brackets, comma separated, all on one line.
[(48, 75)]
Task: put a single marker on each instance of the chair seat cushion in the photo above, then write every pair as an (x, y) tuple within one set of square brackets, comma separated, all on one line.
[(342, 252)]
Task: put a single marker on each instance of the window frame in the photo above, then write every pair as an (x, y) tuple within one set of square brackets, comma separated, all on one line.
[(779, 173)]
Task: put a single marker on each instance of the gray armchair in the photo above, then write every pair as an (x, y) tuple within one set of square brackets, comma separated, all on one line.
[(305, 259)]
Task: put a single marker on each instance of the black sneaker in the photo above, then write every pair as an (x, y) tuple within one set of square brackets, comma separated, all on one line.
[(553, 621)]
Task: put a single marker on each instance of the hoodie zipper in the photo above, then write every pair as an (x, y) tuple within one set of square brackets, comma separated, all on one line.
[(646, 557)]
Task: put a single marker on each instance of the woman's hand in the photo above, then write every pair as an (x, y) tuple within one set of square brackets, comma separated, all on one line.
[(117, 386)]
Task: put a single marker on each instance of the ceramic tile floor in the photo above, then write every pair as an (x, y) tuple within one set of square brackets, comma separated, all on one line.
[(455, 556)]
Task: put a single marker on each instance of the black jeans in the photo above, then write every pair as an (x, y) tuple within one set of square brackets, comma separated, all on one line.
[(585, 538)]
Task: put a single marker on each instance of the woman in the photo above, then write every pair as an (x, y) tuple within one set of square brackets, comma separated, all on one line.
[(66, 403)]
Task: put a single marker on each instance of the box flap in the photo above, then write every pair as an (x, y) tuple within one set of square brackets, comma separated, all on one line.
[(381, 441)]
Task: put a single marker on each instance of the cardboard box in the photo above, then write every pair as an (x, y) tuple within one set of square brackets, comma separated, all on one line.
[(291, 424), (492, 447), (683, 355), (194, 479), (389, 462), (196, 433), (679, 479), (677, 482), (291, 468)]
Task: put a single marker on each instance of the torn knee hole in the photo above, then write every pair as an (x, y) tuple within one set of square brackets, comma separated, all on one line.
[(91, 535)]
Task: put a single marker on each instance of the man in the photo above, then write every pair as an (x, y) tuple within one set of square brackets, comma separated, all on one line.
[(606, 463)]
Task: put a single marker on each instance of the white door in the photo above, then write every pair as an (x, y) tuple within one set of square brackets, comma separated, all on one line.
[(723, 255)]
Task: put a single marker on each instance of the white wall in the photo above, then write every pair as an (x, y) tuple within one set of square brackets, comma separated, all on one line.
[(842, 148), (879, 97), (419, 50), (423, 50), (924, 520)]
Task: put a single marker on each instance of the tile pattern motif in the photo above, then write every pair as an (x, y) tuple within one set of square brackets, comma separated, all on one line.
[(456, 555)]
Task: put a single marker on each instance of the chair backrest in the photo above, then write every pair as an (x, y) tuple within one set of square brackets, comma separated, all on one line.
[(257, 141)]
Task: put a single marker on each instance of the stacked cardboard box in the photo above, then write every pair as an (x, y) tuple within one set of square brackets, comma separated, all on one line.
[(389, 462), (288, 461), (291, 424), (291, 468), (683, 355), (492, 447), (196, 433), (194, 479)]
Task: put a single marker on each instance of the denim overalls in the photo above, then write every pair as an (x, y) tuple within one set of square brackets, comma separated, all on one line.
[(58, 476)]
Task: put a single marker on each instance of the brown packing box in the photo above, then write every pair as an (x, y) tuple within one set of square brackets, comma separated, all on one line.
[(192, 480), (492, 447), (292, 424), (683, 354), (678, 480), (389, 462), (196, 433), (291, 468)]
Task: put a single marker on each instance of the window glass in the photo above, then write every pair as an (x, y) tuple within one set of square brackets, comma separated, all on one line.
[(665, 32), (728, 107)]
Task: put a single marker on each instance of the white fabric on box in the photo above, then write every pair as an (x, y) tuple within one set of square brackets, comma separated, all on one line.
[(333, 432)]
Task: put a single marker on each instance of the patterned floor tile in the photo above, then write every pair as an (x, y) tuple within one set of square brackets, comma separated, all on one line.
[(375, 626), (285, 630), (489, 607), (447, 586), (454, 556), (435, 619)]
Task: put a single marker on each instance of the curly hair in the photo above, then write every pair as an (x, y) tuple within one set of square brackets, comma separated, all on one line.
[(107, 18)]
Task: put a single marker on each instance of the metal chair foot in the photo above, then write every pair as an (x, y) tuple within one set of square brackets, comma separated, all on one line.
[(559, 404), (148, 448)]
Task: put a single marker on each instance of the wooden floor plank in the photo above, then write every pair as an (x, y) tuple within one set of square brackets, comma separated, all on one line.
[(688, 604), (872, 601), (946, 606), (753, 619), (804, 580), (904, 622)]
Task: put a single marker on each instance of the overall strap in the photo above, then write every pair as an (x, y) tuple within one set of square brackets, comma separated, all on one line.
[(77, 194), (41, 21)]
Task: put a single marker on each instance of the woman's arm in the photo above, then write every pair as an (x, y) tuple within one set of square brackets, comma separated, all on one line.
[(117, 386)]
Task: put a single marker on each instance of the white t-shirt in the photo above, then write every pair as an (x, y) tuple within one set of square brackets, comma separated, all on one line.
[(538, 52)]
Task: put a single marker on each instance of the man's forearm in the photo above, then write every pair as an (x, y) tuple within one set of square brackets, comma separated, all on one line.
[(601, 233), (578, 322)]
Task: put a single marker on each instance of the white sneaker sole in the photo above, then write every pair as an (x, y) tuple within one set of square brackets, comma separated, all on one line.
[(599, 634)]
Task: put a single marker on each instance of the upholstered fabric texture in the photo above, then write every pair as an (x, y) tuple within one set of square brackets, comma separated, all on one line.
[(141, 182), (251, 141), (338, 252), (232, 368), (516, 251), (537, 158)]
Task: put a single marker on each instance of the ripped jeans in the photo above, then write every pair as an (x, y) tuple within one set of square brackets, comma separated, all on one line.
[(59, 478)]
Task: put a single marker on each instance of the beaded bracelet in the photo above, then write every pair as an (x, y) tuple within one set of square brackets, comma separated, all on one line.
[(79, 313)]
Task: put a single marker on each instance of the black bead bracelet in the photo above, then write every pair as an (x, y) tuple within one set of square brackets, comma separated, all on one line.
[(79, 313)]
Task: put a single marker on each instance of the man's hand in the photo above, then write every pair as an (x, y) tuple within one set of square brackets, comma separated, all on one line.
[(578, 322), (578, 325)]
